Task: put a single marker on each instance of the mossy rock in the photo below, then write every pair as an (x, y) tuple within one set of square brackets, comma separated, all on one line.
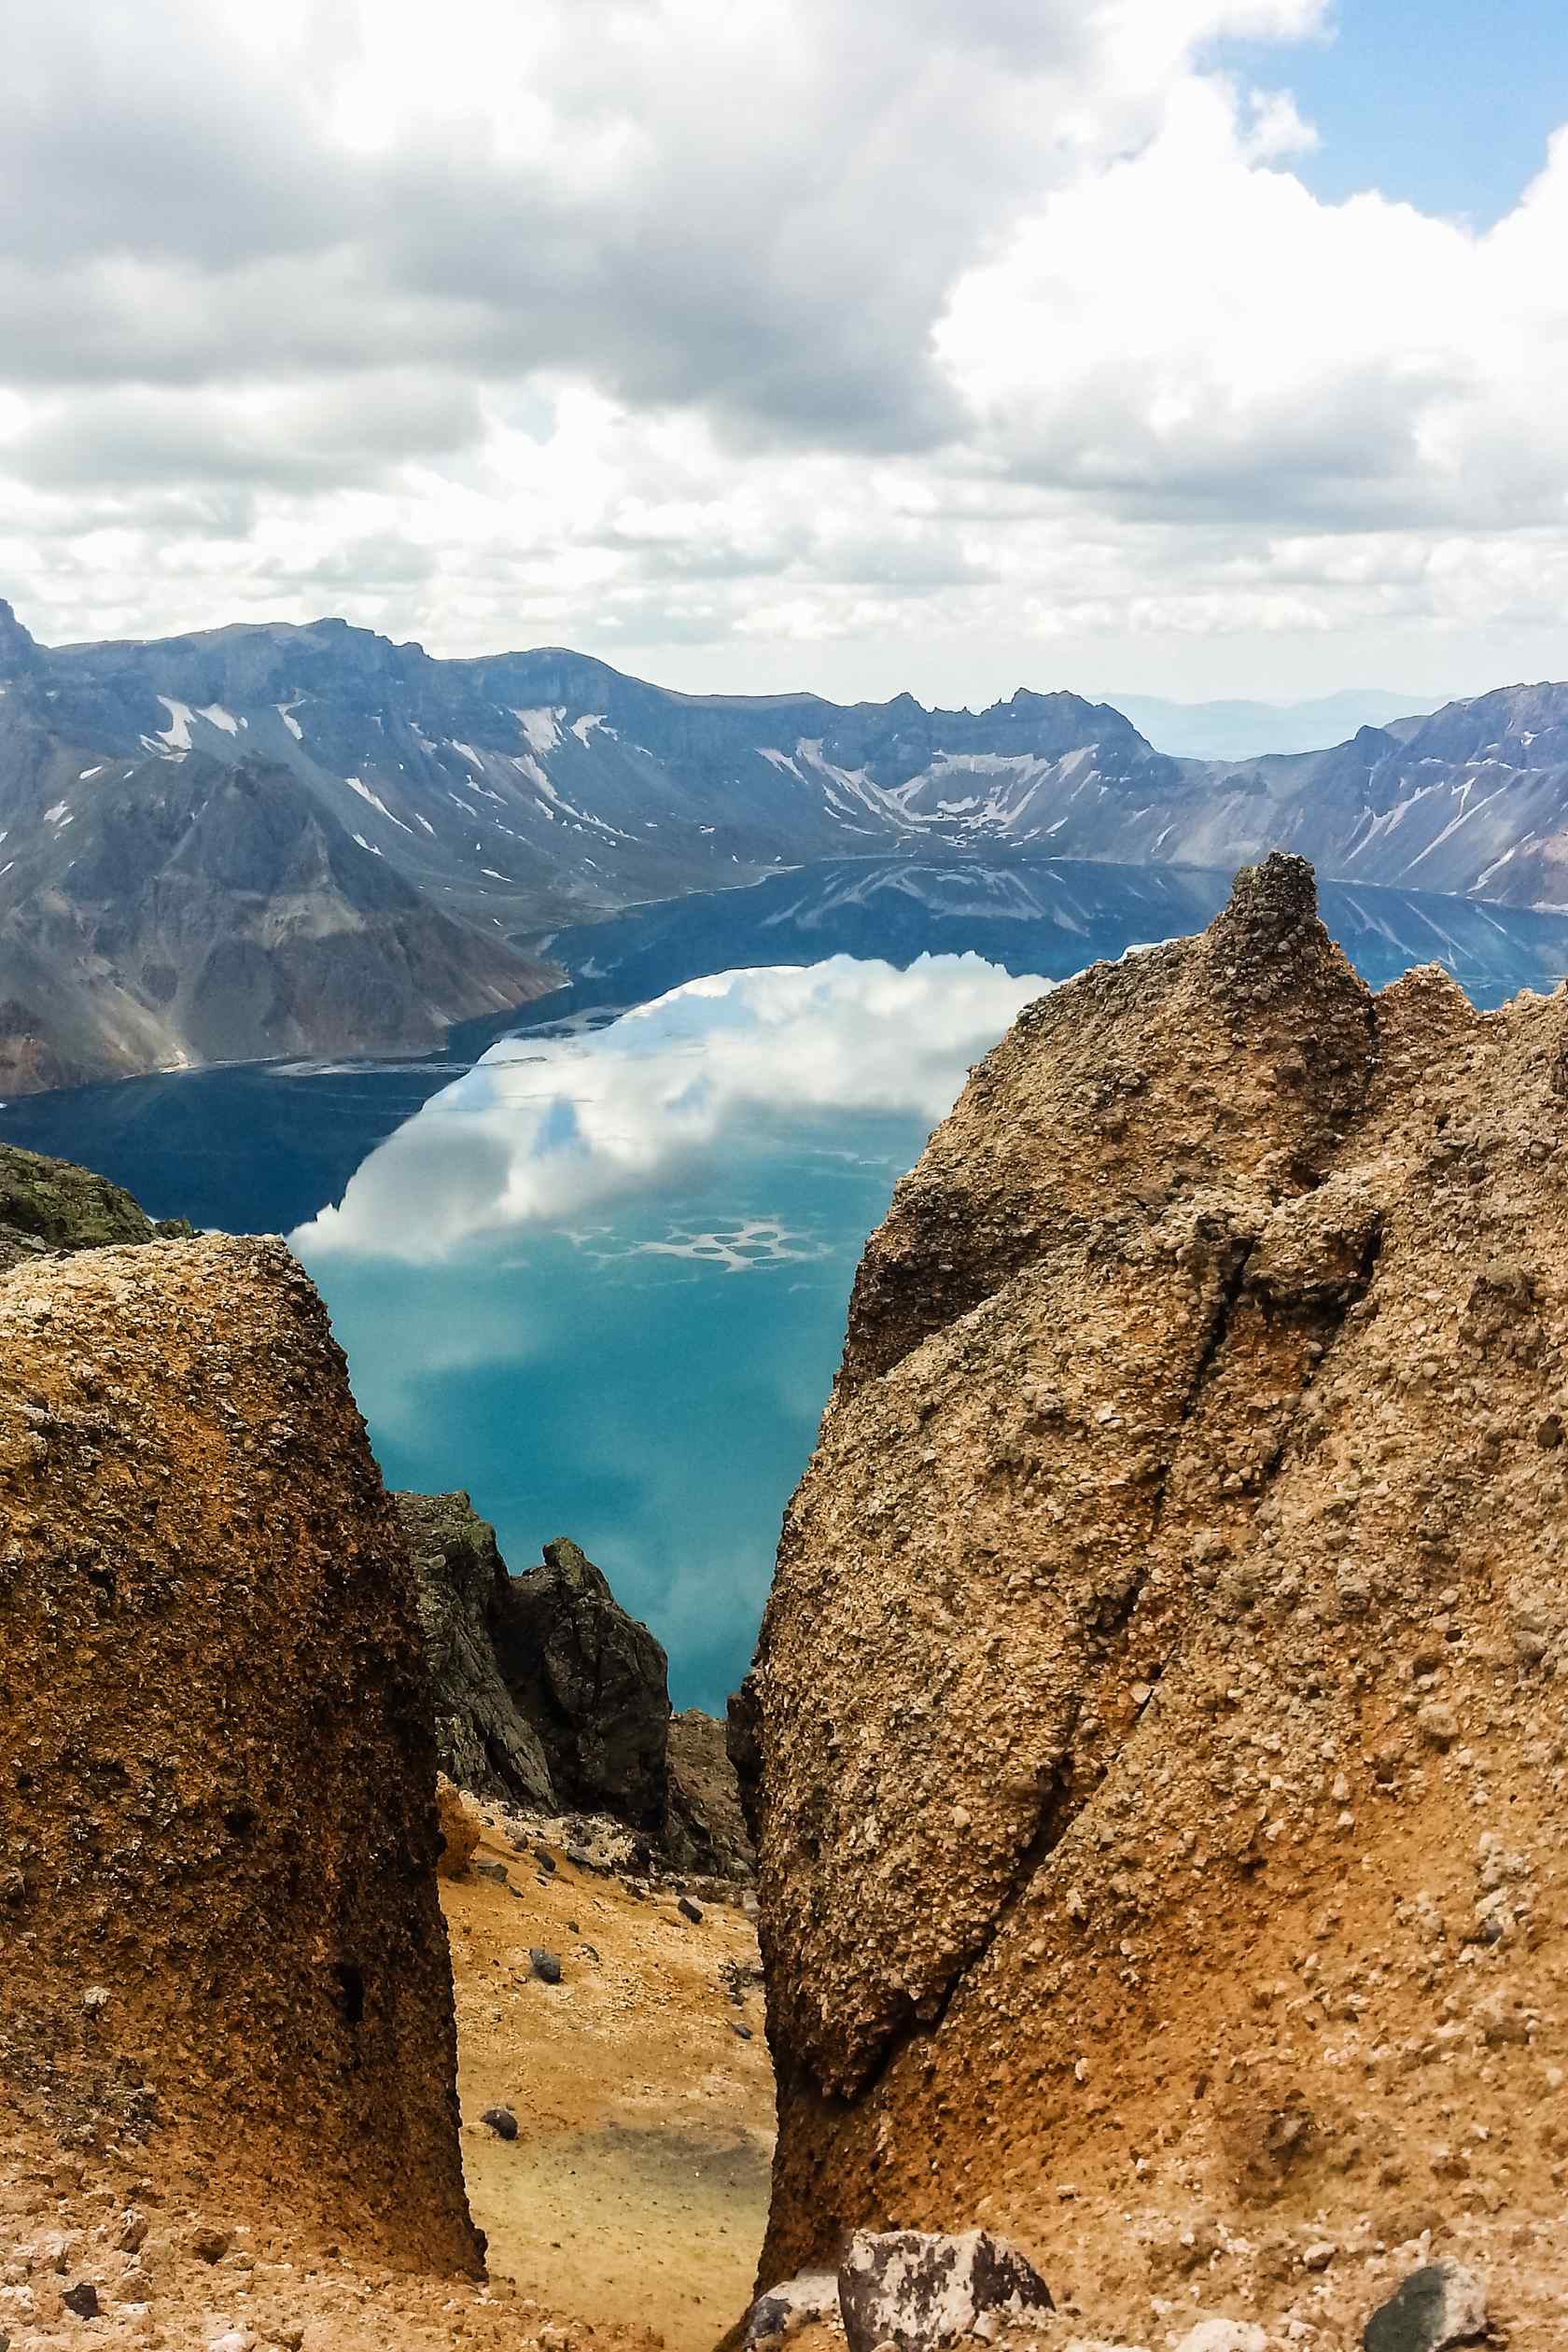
[(63, 1207)]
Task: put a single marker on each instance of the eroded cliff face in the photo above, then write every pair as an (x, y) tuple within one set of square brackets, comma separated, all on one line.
[(217, 1833), (1157, 1739)]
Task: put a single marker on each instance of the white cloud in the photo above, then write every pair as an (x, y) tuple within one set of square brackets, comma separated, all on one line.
[(947, 347), (549, 1131)]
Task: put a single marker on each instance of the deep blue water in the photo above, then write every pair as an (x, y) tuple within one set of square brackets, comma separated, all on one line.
[(592, 1264)]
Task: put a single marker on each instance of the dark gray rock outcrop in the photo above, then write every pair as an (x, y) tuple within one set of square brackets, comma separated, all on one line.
[(484, 1742), (593, 1682), (546, 1692), (1440, 2307)]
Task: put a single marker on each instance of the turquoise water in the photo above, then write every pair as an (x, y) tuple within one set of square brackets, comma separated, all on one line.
[(657, 1405), (594, 1270)]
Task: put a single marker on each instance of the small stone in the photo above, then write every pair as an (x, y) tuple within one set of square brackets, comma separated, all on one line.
[(1438, 1724), (1441, 2306), (545, 1859), (742, 2032), (1224, 2335), (580, 1858), (133, 2231), (96, 1999), (501, 2121), (812, 2296), (82, 2299), (545, 1965), (209, 2245), (496, 1871), (690, 1910), (1318, 2258)]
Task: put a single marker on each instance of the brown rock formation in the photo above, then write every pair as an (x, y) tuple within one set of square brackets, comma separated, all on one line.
[(217, 1833), (1158, 1717)]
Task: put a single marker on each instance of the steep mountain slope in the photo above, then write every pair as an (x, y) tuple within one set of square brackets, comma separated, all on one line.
[(163, 910), (1474, 798)]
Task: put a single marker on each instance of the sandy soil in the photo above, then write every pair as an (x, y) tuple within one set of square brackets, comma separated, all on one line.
[(636, 2191)]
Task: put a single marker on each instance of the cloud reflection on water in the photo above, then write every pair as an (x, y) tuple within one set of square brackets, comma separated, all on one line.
[(544, 1130)]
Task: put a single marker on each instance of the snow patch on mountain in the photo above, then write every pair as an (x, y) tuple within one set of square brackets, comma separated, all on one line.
[(176, 734), (541, 727), (358, 784)]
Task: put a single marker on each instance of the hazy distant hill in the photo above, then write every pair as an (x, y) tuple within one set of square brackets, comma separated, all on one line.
[(1243, 730)]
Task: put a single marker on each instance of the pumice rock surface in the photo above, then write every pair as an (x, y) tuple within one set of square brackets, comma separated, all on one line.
[(1158, 1741), (224, 1953)]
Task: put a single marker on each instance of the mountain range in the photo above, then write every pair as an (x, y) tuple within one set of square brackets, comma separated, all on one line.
[(266, 840)]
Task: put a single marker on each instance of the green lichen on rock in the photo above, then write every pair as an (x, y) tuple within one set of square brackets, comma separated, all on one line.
[(51, 1205)]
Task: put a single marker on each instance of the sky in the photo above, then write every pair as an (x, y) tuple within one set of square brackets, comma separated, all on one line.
[(1193, 347)]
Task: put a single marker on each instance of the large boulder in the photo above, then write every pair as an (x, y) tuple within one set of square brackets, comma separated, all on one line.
[(1158, 1727), (918, 2289), (218, 1828)]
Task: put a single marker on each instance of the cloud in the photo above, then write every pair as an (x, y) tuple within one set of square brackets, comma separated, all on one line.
[(325, 435), (715, 333), (551, 1132)]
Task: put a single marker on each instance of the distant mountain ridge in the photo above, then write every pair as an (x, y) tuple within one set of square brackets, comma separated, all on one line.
[(1249, 730), (532, 787), (270, 839)]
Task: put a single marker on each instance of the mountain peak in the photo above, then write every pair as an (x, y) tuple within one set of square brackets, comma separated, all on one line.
[(18, 648)]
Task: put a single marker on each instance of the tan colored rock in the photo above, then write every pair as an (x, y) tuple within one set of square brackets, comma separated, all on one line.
[(1157, 1717), (460, 1831), (704, 1827), (217, 1834)]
